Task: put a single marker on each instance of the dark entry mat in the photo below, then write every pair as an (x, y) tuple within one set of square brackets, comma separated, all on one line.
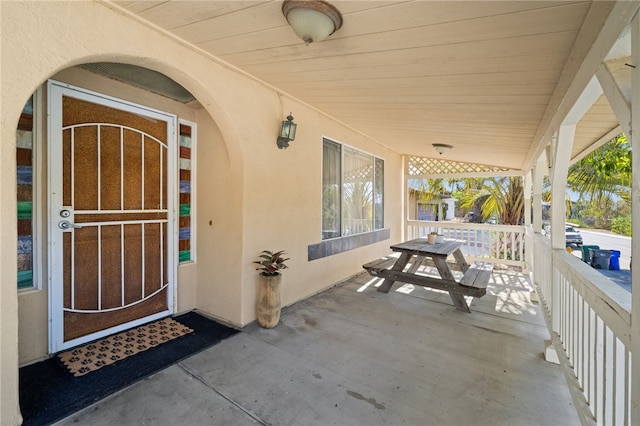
[(48, 392)]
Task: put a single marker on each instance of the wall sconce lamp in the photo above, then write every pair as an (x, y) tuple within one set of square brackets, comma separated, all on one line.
[(287, 132), (442, 148), (312, 21)]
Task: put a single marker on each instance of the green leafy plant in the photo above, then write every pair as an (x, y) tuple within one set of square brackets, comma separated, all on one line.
[(622, 225), (271, 262)]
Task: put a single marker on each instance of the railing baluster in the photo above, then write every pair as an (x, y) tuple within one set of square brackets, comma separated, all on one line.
[(603, 393), (576, 328), (595, 367), (627, 387), (614, 377), (590, 371), (570, 320), (581, 377)]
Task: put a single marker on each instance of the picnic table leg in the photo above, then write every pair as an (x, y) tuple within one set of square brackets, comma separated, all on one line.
[(459, 302), (460, 260), (398, 266), (416, 264), (445, 273)]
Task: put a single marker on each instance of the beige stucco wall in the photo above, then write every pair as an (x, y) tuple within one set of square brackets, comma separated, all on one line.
[(252, 196), (290, 217)]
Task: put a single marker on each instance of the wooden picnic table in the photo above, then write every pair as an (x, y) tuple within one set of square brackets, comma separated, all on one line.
[(473, 282)]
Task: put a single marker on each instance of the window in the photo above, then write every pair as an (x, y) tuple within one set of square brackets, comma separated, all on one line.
[(352, 191), (186, 243), (26, 194)]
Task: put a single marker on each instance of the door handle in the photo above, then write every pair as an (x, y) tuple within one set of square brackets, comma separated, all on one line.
[(65, 224)]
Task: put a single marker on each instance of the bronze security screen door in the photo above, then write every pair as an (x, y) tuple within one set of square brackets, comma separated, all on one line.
[(110, 215)]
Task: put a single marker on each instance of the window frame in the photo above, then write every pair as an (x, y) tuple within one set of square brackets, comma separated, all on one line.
[(374, 162)]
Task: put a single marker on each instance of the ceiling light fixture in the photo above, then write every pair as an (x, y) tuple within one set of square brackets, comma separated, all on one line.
[(312, 21), (442, 148)]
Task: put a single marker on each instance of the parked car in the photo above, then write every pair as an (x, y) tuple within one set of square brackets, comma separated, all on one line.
[(572, 236)]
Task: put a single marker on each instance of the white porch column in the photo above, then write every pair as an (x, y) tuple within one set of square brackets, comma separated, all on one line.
[(635, 219), (561, 155), (538, 179), (528, 186), (529, 254)]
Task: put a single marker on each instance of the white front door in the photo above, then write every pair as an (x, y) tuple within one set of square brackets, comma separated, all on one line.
[(111, 215)]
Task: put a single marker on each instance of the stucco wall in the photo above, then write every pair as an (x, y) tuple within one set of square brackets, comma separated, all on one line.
[(288, 216), (261, 197), (219, 221)]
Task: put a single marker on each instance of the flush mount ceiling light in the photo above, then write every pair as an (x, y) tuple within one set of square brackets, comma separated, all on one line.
[(312, 21), (442, 148)]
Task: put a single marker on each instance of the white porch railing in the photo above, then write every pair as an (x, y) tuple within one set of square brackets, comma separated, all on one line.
[(590, 322), (493, 243)]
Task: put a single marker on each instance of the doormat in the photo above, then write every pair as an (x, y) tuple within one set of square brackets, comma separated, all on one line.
[(49, 393), (95, 355)]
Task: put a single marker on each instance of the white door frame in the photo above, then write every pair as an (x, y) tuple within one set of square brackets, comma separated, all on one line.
[(55, 92)]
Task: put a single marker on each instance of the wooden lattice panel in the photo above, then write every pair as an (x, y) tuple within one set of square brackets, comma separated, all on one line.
[(418, 166)]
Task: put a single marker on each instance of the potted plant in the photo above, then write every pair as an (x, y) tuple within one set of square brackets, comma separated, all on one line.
[(431, 238), (268, 303)]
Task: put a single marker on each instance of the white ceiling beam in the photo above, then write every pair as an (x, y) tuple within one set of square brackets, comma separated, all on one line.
[(615, 97), (587, 98), (575, 79)]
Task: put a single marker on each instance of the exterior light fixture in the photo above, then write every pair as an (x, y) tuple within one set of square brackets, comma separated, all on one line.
[(287, 132), (442, 148), (312, 21)]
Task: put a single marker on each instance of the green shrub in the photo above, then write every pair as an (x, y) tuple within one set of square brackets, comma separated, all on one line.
[(621, 225)]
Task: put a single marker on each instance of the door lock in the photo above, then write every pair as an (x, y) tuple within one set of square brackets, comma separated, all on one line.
[(65, 224)]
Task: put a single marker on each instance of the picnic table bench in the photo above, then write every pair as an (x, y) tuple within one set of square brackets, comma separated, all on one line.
[(473, 282)]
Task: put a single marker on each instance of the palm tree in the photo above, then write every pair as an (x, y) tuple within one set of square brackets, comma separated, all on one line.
[(430, 189), (603, 177), (501, 197), (604, 173)]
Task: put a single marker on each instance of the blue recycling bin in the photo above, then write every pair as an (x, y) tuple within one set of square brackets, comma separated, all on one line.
[(614, 260)]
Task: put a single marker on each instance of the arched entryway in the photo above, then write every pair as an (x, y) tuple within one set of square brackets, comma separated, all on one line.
[(113, 149)]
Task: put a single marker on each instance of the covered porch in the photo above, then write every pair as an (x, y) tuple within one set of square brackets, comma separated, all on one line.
[(518, 88), (352, 355)]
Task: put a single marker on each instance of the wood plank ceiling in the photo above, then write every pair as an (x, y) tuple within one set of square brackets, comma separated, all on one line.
[(478, 75)]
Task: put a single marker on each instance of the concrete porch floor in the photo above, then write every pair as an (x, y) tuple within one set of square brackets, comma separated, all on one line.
[(354, 356)]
